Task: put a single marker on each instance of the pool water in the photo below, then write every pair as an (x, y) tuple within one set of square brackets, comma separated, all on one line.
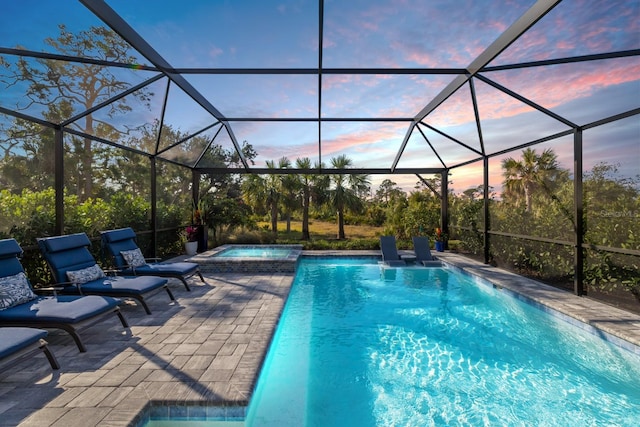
[(254, 253), (358, 346)]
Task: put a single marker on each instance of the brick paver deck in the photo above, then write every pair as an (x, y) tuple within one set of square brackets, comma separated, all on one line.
[(207, 347)]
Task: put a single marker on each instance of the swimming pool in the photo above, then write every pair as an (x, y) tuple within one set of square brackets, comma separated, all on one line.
[(419, 347)]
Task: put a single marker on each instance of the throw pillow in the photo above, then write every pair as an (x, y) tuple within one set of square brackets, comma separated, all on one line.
[(133, 257), (15, 290), (86, 274)]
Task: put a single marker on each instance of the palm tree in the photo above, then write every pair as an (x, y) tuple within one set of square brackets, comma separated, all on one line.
[(290, 186), (523, 177), (305, 183), (273, 183), (346, 189), (254, 193)]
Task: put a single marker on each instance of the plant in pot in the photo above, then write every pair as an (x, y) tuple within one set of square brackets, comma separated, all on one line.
[(191, 240), (440, 239)]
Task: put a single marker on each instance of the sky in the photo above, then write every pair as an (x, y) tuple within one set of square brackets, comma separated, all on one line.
[(386, 34)]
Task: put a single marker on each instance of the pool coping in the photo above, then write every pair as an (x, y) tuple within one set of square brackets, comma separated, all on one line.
[(167, 360), (618, 326)]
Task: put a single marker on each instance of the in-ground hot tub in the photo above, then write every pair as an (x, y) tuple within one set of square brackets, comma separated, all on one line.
[(249, 259)]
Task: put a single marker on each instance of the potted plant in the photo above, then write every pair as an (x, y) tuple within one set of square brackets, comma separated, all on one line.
[(440, 239), (191, 243), (199, 218)]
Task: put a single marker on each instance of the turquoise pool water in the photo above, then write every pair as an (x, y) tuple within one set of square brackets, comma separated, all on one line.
[(254, 252), (430, 347)]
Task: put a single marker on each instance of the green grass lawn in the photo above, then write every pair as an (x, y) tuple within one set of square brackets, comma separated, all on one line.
[(324, 235), (324, 230)]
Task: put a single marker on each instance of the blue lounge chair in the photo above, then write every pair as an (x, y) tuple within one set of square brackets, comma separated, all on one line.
[(423, 252), (389, 250), (121, 246), (21, 306), (18, 344), (76, 270)]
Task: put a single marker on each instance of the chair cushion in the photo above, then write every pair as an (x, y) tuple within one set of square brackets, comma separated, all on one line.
[(66, 253), (15, 339), (61, 309), (118, 285), (15, 290), (9, 248), (133, 257), (169, 268), (117, 235), (64, 243), (85, 275)]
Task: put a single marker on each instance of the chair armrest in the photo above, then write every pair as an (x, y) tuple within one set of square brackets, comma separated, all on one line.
[(62, 285), (47, 290), (154, 259)]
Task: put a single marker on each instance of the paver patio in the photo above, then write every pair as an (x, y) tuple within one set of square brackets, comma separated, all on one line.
[(206, 348)]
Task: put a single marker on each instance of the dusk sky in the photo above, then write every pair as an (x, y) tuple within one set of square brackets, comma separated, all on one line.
[(386, 34)]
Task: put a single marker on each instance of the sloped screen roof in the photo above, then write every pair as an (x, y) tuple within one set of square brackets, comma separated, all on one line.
[(398, 87)]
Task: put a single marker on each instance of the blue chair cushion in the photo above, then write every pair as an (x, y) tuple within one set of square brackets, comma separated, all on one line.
[(118, 241), (117, 284), (181, 268), (15, 290), (10, 265), (65, 243), (15, 339), (61, 309), (120, 234), (9, 248), (66, 253)]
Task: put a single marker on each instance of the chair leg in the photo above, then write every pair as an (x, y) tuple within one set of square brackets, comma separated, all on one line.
[(142, 302), (50, 357), (184, 282), (166, 287), (121, 317), (201, 278), (74, 334)]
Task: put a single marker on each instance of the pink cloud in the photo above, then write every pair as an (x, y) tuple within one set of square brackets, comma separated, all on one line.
[(554, 86), (420, 58), (327, 43), (215, 52), (356, 139)]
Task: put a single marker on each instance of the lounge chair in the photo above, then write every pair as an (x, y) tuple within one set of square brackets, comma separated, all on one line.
[(389, 250), (423, 252), (121, 246), (18, 344), (21, 306), (76, 270)]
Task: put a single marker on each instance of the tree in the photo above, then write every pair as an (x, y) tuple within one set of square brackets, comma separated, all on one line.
[(27, 156), (225, 214), (290, 185), (346, 190), (533, 172), (67, 88), (217, 156), (254, 193), (273, 196), (387, 191), (305, 183)]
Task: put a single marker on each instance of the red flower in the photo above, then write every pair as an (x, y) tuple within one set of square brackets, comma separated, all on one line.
[(192, 233)]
